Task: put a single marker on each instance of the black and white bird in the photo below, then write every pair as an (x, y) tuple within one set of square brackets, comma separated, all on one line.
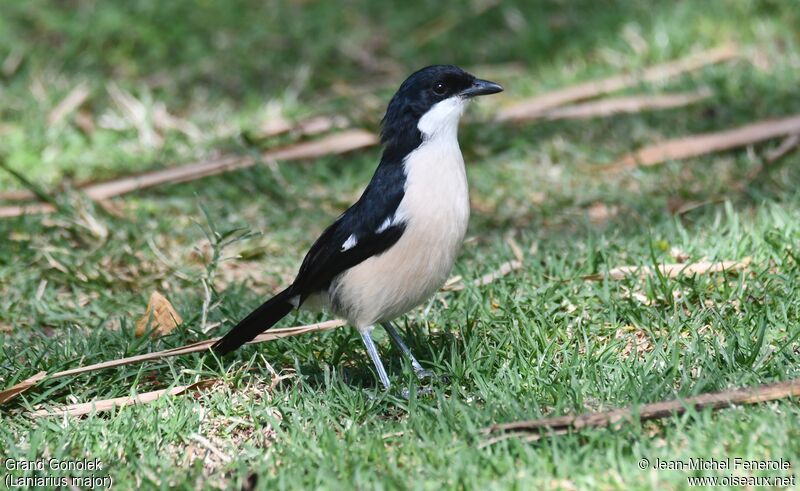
[(396, 245)]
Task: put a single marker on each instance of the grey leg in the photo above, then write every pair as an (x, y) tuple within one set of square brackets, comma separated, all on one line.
[(420, 372), (376, 359)]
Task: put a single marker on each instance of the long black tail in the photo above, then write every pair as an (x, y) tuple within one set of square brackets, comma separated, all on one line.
[(258, 321)]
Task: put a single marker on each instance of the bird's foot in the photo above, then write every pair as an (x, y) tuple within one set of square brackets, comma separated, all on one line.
[(424, 374), (421, 391), (428, 381)]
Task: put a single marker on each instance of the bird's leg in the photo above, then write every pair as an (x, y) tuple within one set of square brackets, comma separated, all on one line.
[(420, 372), (373, 354)]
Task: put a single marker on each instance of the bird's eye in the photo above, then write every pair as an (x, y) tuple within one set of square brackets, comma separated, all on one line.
[(439, 88)]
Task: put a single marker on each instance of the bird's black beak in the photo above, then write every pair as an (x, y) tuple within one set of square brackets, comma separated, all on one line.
[(481, 87)]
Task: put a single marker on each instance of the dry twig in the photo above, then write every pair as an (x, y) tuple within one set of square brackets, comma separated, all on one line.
[(694, 145), (270, 335), (538, 428), (622, 105), (334, 144), (26, 384), (527, 109), (21, 387), (76, 97), (673, 270), (504, 269), (789, 144), (108, 404), (306, 127), (16, 195)]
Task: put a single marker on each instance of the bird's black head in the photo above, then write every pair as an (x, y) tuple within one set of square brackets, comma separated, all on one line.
[(426, 89)]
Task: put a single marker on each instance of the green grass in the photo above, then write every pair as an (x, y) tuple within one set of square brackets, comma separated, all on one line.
[(538, 342)]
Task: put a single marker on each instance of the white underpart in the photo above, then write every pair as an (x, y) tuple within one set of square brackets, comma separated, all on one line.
[(350, 243), (435, 210)]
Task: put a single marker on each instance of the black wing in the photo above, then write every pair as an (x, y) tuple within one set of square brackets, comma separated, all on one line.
[(328, 258)]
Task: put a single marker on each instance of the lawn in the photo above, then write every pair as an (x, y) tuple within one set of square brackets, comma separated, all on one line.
[(307, 411)]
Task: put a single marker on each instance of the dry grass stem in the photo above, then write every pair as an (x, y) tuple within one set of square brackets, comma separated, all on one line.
[(109, 404), (694, 145), (337, 143), (538, 428), (200, 346), (528, 108), (673, 270), (624, 105)]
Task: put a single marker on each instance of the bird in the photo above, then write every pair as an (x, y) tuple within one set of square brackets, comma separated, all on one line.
[(396, 246)]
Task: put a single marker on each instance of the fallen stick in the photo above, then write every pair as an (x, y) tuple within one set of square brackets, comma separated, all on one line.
[(345, 141), (306, 127), (76, 97), (335, 144), (15, 390), (27, 209), (503, 270), (21, 387), (204, 345), (623, 105), (694, 145), (787, 146), (83, 408), (16, 195), (31, 186), (105, 190), (528, 108), (539, 428), (771, 157), (26, 384), (673, 270)]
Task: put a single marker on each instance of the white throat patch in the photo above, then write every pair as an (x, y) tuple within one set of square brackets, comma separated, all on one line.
[(442, 119)]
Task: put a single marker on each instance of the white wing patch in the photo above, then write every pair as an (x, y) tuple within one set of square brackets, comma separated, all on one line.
[(349, 243), (385, 225)]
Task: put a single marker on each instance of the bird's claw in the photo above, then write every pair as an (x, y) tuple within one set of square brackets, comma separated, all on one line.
[(424, 374), (422, 391)]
